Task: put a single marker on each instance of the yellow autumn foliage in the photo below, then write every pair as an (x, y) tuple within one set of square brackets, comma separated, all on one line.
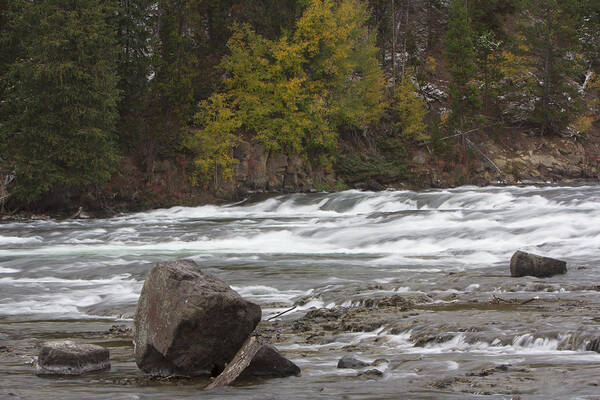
[(293, 94)]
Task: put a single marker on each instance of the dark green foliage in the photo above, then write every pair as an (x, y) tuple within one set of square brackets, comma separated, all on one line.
[(552, 45), (387, 166), (60, 96), (486, 15), (80, 79), (589, 33), (134, 22), (460, 50)]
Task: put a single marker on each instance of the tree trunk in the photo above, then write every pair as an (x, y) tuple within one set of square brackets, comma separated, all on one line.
[(547, 73), (394, 43), (406, 30)]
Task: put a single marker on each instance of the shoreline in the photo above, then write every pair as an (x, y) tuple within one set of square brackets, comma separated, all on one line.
[(28, 216)]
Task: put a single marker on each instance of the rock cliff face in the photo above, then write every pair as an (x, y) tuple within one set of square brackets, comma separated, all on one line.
[(511, 158), (261, 170)]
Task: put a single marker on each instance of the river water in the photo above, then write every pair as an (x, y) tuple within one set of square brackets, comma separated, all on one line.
[(77, 278)]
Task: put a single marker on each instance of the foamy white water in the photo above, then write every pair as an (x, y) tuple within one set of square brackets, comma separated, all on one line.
[(276, 250)]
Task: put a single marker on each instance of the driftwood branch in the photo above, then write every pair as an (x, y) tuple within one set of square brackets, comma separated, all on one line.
[(498, 300), (281, 313), (240, 362), (470, 143), (77, 213)]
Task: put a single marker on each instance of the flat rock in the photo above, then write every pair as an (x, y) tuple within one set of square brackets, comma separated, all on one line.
[(188, 322), (527, 264), (69, 358)]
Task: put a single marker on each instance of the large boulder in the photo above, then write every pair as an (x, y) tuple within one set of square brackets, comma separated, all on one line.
[(526, 264), (188, 322), (65, 357)]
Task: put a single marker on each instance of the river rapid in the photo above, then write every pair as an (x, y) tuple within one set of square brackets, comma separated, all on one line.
[(470, 331)]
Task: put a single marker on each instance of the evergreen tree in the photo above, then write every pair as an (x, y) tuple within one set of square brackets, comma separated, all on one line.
[(135, 23), (489, 57), (460, 50), (61, 95), (552, 45)]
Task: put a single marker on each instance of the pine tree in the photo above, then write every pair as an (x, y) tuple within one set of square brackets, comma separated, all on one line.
[(489, 55), (134, 22), (460, 51), (552, 44), (61, 98)]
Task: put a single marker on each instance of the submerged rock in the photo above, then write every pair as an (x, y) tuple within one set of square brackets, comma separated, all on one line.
[(69, 358), (527, 264), (351, 362), (188, 322)]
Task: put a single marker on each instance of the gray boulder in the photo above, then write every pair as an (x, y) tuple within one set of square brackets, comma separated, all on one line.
[(189, 323), (526, 264), (68, 358)]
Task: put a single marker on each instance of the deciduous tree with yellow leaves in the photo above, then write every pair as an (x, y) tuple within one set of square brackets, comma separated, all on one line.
[(295, 93)]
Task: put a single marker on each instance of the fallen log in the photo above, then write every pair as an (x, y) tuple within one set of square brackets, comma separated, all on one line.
[(256, 358), (240, 362)]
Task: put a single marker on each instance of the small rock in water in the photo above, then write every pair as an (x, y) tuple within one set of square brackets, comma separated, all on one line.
[(527, 264), (268, 362), (351, 362), (69, 358)]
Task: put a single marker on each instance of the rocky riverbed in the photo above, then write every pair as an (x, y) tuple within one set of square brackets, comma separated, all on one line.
[(533, 338), (415, 284)]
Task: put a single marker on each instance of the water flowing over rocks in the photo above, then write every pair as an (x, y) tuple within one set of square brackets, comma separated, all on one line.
[(69, 358), (416, 278), (189, 322), (526, 264)]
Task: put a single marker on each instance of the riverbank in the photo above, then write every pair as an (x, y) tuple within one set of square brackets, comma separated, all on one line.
[(495, 159)]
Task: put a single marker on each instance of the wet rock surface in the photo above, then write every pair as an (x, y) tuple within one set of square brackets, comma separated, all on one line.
[(411, 342), (188, 322), (527, 264), (418, 279), (269, 363), (69, 358), (351, 362)]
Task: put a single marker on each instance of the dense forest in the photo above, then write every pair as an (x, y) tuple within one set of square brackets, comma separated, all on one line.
[(99, 97)]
